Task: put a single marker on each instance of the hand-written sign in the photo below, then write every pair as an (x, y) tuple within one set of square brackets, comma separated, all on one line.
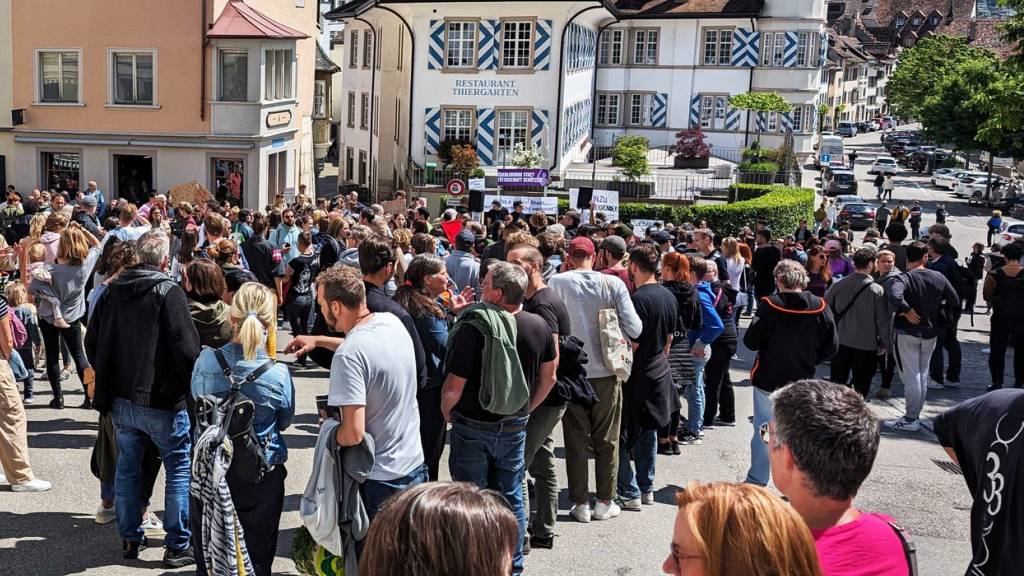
[(547, 204), (606, 201), (485, 88)]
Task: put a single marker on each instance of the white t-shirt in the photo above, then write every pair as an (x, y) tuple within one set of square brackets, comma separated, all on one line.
[(375, 367)]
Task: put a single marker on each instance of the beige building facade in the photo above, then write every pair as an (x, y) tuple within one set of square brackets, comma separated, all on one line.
[(162, 94), (6, 82)]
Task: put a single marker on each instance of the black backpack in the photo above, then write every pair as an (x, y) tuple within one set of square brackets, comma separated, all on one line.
[(1008, 296), (234, 414)]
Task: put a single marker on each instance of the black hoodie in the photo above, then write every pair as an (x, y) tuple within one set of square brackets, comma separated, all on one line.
[(142, 342), (792, 333)]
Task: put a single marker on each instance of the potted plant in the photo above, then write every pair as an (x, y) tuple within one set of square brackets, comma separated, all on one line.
[(690, 149)]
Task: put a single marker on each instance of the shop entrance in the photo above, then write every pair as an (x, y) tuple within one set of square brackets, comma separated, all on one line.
[(133, 175)]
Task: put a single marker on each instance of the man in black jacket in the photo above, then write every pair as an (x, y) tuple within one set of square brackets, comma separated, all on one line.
[(143, 345), (792, 332), (939, 260), (766, 256)]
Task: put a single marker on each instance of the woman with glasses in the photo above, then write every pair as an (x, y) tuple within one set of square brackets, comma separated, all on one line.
[(819, 275)]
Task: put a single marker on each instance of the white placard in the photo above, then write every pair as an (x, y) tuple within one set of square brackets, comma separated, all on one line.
[(476, 184), (607, 201), (640, 226), (549, 204)]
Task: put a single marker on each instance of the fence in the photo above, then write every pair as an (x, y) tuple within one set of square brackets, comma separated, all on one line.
[(662, 157), (689, 187)]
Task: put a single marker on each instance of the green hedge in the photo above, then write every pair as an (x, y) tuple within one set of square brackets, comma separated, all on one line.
[(741, 192)]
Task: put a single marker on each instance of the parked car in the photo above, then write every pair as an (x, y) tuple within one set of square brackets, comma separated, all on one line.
[(884, 165), (844, 199), (841, 182), (941, 172), (930, 160), (847, 129), (950, 180), (862, 127), (874, 125), (968, 187), (1013, 231), (860, 216)]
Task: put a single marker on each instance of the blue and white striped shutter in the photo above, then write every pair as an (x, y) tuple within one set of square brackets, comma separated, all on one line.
[(540, 125), (542, 46), (789, 56), (823, 48), (435, 45), (577, 48), (732, 119), (695, 111), (485, 135), (745, 47), (432, 130), (487, 46), (761, 122), (659, 115), (786, 122)]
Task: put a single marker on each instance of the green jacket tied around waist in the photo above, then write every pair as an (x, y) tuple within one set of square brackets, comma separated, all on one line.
[(503, 387)]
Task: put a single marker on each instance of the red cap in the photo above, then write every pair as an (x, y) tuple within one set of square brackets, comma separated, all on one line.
[(581, 247)]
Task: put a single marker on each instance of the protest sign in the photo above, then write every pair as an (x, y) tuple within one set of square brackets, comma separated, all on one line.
[(192, 192), (606, 201), (549, 204)]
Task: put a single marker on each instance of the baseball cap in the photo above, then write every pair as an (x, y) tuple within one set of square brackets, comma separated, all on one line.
[(581, 247), (465, 238), (661, 236), (615, 246), (89, 200)]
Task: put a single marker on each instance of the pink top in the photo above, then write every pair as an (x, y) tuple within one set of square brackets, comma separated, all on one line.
[(868, 546)]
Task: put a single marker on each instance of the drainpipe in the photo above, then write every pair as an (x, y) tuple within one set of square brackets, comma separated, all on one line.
[(561, 81), (750, 86), (593, 99), (412, 76), (373, 94), (202, 64)]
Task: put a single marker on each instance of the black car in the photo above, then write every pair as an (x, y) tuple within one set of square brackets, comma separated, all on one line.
[(841, 182), (860, 216), (863, 127)]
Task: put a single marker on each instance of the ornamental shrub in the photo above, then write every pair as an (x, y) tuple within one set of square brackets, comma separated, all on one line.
[(630, 154), (690, 144)]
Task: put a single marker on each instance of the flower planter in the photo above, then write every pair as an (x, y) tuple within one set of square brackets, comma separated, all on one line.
[(696, 163)]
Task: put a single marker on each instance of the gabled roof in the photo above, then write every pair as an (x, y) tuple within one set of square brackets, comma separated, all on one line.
[(239, 20), (324, 62), (624, 9)]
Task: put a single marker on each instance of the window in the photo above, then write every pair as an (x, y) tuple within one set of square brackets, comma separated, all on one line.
[(61, 170), (717, 47), (610, 49), (401, 46), (917, 21), (608, 109), (640, 106), (350, 170), (367, 48), (457, 124), (319, 98), (58, 77), (362, 168), (132, 74), (380, 42), (774, 48), (460, 45), (934, 20), (645, 47), (513, 128), (364, 110), (900, 21), (277, 75), (376, 114), (712, 111), (229, 174), (805, 54), (908, 41), (351, 109), (234, 75), (516, 44), (773, 121), (797, 116), (277, 173), (353, 50)]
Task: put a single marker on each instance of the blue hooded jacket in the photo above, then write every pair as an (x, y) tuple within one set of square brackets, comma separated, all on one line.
[(711, 325)]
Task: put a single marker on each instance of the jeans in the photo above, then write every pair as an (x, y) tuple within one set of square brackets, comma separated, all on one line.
[(492, 455), (1003, 329), (946, 341), (695, 394), (912, 354), (29, 359), (433, 429), (760, 468), (72, 337), (642, 451), (887, 367), (376, 492), (297, 312), (719, 398), (135, 426), (540, 462), (862, 363)]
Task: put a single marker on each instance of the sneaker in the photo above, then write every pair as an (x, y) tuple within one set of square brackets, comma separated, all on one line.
[(632, 504), (675, 448), (105, 515), (700, 434), (904, 423), (545, 542), (35, 485), (883, 394), (607, 511), (665, 448), (647, 499), (720, 422), (526, 546), (151, 523), (689, 438), (86, 404), (581, 513), (29, 399), (130, 550), (933, 385), (57, 403), (952, 382), (178, 558), (3, 478)]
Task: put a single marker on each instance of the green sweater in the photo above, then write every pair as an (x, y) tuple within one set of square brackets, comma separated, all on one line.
[(503, 387)]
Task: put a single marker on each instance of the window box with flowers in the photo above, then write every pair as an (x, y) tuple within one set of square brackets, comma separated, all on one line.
[(690, 150)]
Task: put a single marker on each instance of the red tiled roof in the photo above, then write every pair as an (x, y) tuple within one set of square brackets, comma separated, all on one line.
[(683, 8), (981, 33), (239, 20)]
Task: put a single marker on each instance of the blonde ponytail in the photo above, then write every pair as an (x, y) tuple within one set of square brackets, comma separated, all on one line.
[(253, 309)]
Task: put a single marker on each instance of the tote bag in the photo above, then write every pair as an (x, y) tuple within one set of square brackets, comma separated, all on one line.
[(616, 350)]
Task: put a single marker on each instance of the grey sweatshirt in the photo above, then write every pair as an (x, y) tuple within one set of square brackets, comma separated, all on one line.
[(865, 325), (584, 294)]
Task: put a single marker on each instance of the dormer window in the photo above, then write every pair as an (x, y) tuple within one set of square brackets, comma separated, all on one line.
[(908, 42), (900, 21), (917, 21), (934, 20)]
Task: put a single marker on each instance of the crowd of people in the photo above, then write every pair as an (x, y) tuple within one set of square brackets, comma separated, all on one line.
[(487, 334)]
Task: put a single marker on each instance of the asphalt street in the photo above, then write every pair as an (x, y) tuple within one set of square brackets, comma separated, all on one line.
[(53, 533)]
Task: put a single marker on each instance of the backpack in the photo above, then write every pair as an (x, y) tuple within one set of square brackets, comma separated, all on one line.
[(19, 331), (966, 285), (234, 414), (1008, 296)]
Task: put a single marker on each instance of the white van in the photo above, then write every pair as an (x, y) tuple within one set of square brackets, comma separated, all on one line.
[(831, 146)]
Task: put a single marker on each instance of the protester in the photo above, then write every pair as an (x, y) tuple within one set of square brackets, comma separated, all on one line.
[(719, 397), (18, 301), (765, 258), (885, 273), (259, 253), (791, 315), (585, 293), (819, 274), (611, 260), (700, 340), (675, 277), (1004, 291), (205, 287), (860, 311), (725, 529), (940, 260), (463, 267), (143, 370), (225, 253), (822, 443), (302, 270)]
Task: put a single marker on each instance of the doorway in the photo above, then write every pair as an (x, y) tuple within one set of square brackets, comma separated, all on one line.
[(133, 174), (228, 179)]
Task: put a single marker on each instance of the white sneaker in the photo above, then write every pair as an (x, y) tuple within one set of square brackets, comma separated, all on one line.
[(904, 423), (3, 479), (151, 524), (633, 505), (105, 515), (933, 385), (581, 513), (607, 511), (647, 498), (36, 485)]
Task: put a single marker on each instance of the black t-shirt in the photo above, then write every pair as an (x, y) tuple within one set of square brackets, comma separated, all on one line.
[(303, 272), (987, 435), (259, 254), (647, 396), (546, 304), (763, 265), (534, 346), (496, 215)]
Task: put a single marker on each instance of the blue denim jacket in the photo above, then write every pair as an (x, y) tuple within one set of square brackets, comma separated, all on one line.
[(433, 333), (273, 393)]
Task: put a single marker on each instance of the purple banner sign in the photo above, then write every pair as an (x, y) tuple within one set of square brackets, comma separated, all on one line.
[(522, 177)]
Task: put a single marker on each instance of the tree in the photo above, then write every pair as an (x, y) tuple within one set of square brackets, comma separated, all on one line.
[(822, 115), (760, 102), (630, 154), (837, 113), (1012, 29), (921, 68), (690, 144), (464, 159)]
